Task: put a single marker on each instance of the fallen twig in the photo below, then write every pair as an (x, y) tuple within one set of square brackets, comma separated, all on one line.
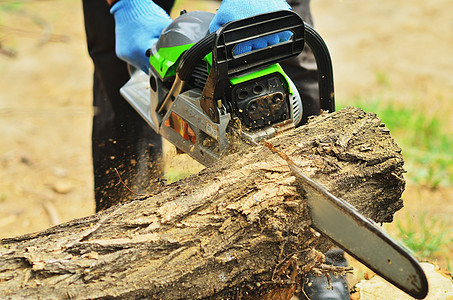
[(124, 184), (7, 52), (48, 37), (52, 212)]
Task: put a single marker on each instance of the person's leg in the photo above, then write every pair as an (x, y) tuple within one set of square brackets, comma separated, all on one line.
[(302, 69), (121, 139)]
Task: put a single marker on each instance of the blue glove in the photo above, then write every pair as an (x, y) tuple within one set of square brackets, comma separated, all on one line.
[(138, 25), (231, 10)]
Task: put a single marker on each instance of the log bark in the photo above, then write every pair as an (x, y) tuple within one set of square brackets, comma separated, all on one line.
[(238, 229)]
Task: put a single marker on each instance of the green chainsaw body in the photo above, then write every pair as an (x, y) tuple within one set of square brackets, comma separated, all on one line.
[(198, 87)]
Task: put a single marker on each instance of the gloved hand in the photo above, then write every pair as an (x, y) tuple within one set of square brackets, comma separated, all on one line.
[(138, 25), (231, 10)]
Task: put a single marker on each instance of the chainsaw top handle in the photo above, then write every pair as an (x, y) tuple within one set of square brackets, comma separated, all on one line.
[(224, 40), (226, 64)]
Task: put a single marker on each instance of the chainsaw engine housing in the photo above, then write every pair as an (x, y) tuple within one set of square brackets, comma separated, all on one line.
[(198, 87)]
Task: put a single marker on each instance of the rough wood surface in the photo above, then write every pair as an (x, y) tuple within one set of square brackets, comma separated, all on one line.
[(238, 229)]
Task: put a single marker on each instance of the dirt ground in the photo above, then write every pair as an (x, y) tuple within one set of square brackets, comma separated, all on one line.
[(45, 95)]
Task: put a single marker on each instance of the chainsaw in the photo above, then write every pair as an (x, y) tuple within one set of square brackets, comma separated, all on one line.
[(199, 95)]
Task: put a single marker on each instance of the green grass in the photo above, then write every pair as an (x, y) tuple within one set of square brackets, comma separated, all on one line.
[(427, 146), (173, 174), (426, 237), (11, 5)]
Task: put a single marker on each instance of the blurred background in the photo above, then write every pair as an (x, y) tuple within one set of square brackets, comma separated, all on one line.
[(390, 57)]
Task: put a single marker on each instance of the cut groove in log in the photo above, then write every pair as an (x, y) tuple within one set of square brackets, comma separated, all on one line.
[(238, 229)]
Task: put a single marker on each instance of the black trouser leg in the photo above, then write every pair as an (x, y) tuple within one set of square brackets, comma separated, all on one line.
[(120, 139)]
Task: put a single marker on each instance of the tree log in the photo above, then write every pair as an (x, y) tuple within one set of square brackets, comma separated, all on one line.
[(238, 229)]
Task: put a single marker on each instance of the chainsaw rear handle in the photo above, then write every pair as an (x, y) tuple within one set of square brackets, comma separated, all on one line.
[(324, 63), (222, 42)]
